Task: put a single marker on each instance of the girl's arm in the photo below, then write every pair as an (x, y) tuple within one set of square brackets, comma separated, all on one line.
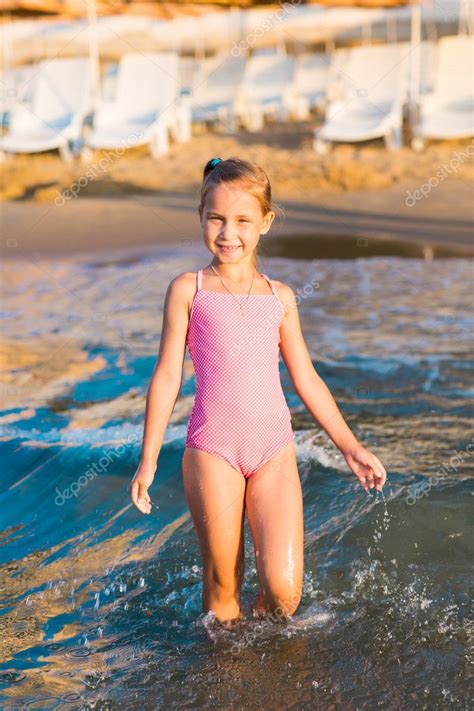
[(164, 386), (317, 397)]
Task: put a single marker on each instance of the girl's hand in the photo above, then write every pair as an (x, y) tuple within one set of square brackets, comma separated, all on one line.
[(367, 468), (139, 487)]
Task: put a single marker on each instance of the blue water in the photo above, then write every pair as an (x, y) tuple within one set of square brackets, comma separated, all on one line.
[(101, 605)]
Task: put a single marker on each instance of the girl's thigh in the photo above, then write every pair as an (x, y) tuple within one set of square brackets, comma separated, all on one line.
[(274, 505), (215, 493)]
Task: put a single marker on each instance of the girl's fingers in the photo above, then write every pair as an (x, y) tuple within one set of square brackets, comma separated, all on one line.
[(143, 506), (369, 470), (358, 468), (369, 476), (143, 498), (377, 472), (140, 497), (381, 474), (373, 476), (134, 491), (380, 467)]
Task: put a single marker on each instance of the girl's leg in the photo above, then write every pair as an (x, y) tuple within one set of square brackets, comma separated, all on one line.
[(215, 492), (275, 513)]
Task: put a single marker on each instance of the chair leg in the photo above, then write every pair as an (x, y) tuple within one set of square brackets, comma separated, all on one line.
[(75, 147), (253, 119), (230, 122), (321, 147), (283, 113), (159, 145), (86, 154), (65, 152), (182, 133), (302, 109), (227, 119), (393, 139), (417, 143)]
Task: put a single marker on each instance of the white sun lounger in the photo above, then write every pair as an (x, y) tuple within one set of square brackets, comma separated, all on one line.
[(267, 88), (189, 67), (311, 76), (146, 107), (448, 112), (60, 102), (16, 85), (373, 90), (428, 63), (215, 90)]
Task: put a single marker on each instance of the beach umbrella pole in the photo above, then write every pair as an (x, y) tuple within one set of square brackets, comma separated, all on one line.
[(93, 52), (415, 41)]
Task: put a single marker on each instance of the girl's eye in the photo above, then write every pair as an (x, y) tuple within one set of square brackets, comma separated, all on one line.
[(244, 220), (215, 218)]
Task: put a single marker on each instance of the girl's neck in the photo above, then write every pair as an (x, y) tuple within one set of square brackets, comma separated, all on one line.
[(236, 273)]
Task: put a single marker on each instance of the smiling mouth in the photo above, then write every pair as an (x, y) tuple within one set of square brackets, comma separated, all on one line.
[(227, 248)]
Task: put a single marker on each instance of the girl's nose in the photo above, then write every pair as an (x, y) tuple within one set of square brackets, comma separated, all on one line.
[(227, 231)]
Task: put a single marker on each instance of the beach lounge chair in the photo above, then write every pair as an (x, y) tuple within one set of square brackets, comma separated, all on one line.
[(15, 85), (311, 75), (188, 70), (373, 90), (146, 107), (60, 101), (267, 88), (448, 111), (428, 62), (215, 89)]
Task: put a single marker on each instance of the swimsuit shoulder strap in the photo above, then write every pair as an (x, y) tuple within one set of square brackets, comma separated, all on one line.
[(199, 282), (271, 285), (275, 294)]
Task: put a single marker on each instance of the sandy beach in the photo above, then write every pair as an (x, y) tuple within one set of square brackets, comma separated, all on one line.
[(134, 202)]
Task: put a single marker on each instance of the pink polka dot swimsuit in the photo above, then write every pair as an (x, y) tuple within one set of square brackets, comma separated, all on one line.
[(240, 413)]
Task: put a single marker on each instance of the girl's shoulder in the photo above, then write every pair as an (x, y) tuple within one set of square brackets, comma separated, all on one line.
[(184, 281), (283, 291), (182, 287), (288, 297)]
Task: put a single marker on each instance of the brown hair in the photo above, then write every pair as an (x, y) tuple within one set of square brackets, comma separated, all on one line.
[(237, 170)]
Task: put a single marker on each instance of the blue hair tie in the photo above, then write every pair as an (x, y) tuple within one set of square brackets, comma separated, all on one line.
[(215, 161)]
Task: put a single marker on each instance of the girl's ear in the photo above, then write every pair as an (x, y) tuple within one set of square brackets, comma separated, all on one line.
[(267, 222)]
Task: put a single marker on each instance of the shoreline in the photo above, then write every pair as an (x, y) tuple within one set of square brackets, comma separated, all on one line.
[(398, 202), (357, 223)]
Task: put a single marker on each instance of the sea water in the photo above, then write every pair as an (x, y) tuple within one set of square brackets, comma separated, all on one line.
[(101, 606)]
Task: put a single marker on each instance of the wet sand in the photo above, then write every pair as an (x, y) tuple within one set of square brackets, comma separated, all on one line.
[(369, 222), (131, 202)]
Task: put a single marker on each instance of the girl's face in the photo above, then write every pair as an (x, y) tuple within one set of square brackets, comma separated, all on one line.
[(232, 221)]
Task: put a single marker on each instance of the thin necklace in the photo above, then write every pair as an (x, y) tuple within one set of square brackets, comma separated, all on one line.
[(230, 292)]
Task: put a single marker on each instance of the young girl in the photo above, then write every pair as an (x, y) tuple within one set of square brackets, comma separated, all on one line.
[(240, 453)]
